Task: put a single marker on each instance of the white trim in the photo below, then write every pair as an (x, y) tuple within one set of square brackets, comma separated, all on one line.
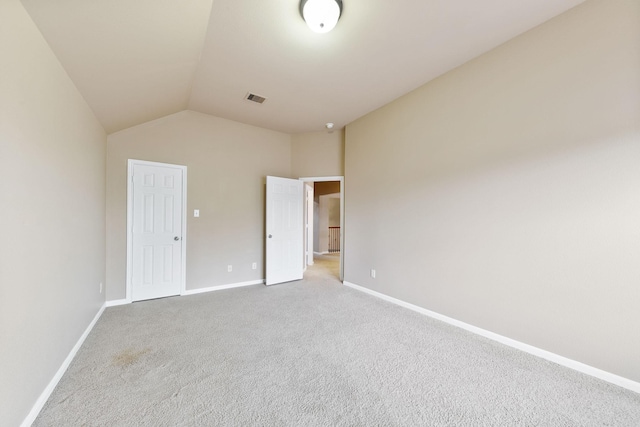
[(321, 253), (221, 287), (308, 224), (183, 280), (46, 393), (117, 302), (341, 179), (127, 291), (130, 164), (552, 357)]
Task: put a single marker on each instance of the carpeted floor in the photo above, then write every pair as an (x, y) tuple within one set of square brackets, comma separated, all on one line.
[(313, 353)]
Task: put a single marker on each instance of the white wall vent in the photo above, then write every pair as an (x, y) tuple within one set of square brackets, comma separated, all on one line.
[(255, 98)]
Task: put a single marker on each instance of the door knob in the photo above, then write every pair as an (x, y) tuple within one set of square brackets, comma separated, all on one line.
[(176, 238), (270, 236)]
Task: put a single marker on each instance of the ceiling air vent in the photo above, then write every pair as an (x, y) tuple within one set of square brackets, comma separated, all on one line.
[(255, 98)]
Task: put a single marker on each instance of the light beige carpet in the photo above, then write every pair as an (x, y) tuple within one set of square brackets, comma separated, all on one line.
[(313, 353)]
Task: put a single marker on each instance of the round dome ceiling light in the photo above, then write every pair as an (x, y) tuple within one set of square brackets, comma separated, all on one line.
[(321, 15)]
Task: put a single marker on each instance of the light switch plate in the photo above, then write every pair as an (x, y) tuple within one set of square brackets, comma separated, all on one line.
[(196, 213)]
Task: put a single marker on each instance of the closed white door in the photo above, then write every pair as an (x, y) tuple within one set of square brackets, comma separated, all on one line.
[(157, 240), (284, 240)]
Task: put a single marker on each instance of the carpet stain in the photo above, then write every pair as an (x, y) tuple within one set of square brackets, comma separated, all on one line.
[(129, 356)]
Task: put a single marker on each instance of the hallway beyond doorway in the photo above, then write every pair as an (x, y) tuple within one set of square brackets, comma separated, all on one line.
[(327, 265)]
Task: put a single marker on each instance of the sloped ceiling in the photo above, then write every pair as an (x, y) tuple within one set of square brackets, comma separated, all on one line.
[(138, 60)]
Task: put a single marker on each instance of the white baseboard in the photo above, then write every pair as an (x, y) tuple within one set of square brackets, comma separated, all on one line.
[(196, 291), (116, 302), (552, 357), (221, 287), (37, 407), (321, 253)]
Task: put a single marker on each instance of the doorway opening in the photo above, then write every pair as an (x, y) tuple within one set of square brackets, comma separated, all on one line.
[(324, 224)]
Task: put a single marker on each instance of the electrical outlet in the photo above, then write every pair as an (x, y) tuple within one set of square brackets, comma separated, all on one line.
[(254, 265), (229, 268), (100, 287), (373, 274)]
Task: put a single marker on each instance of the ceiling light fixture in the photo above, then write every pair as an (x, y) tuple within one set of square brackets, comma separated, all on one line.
[(321, 15)]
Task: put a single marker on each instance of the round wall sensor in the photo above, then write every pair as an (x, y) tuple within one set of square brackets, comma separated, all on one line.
[(329, 125)]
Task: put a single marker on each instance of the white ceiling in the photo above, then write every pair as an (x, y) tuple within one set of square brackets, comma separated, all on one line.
[(138, 60)]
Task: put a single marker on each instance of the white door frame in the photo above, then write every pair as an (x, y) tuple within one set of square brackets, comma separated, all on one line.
[(130, 165), (308, 225), (341, 179)]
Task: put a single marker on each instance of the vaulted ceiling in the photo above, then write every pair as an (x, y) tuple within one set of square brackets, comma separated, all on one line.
[(138, 60)]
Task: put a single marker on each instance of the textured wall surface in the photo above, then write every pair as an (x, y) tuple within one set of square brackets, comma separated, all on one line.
[(317, 154), (52, 191), (505, 193)]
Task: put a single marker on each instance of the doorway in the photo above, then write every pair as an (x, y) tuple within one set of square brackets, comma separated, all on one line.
[(324, 239)]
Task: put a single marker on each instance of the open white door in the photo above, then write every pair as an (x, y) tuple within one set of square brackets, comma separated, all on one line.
[(157, 234), (284, 239), (308, 224)]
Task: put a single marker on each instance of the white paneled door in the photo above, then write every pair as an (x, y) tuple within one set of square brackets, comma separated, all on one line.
[(284, 239), (156, 233)]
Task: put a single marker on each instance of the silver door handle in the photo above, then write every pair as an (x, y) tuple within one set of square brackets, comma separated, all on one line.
[(176, 238), (270, 236)]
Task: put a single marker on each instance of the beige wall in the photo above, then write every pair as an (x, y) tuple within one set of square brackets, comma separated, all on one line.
[(317, 154), (334, 212), (505, 193), (227, 163), (52, 166)]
